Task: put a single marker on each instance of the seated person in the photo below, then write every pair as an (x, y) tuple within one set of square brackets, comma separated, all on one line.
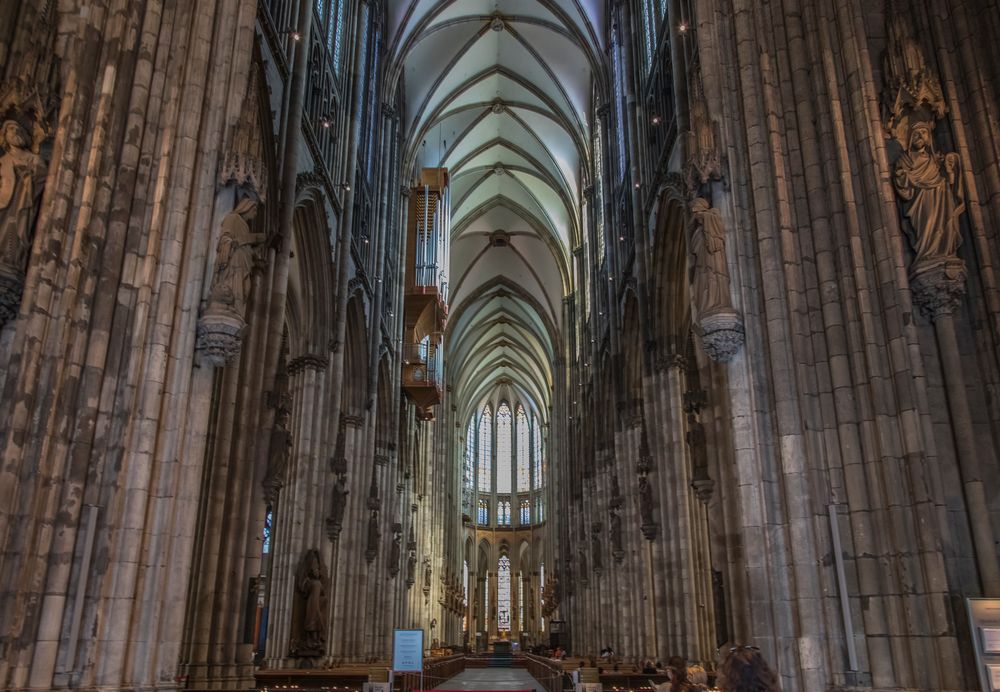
[(648, 668), (607, 652)]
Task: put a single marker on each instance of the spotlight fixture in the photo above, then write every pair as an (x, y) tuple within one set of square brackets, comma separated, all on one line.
[(293, 33), (326, 122), (346, 187), (682, 27), (657, 120), (637, 184)]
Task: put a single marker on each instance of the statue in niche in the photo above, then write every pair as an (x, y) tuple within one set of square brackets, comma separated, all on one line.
[(373, 535), (279, 449), (427, 576), (22, 179), (709, 271), (646, 501), (931, 185), (234, 260), (338, 505), (595, 549), (617, 544), (310, 624), (396, 551), (411, 569)]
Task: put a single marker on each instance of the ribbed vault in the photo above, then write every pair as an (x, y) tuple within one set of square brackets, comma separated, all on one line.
[(499, 92)]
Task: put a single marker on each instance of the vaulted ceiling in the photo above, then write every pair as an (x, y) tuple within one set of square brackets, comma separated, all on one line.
[(499, 92)]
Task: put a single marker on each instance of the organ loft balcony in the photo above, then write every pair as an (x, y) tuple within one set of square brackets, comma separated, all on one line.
[(425, 307)]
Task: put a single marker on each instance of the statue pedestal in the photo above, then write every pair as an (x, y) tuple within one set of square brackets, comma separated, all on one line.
[(938, 286), (220, 336), (721, 334), (11, 289)]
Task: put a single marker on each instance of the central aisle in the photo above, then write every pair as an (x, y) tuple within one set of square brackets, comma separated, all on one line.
[(492, 679)]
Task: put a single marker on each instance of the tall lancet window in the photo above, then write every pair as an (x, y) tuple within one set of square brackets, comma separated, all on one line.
[(465, 596), (503, 594), (485, 449), (523, 452), (536, 430), (504, 470), (470, 455)]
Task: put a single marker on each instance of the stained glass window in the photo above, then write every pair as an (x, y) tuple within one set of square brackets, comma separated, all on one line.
[(619, 75), (268, 526), (524, 513), (503, 594), (523, 452), (503, 512), (465, 597), (541, 592), (470, 454), (520, 602), (483, 516), (504, 469), (335, 38), (599, 189), (649, 29), (485, 449), (537, 433)]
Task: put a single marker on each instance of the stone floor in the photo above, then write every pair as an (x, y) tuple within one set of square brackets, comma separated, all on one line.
[(492, 679)]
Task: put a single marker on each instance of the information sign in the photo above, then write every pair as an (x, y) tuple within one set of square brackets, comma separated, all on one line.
[(408, 651)]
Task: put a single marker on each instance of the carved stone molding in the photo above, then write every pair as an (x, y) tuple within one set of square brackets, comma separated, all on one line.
[(219, 337), (722, 335), (307, 361), (11, 290), (703, 486), (938, 287), (353, 421), (308, 180)]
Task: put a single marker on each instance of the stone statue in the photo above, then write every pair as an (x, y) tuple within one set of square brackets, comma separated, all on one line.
[(709, 272), (234, 259), (373, 535), (931, 185), (22, 179), (595, 549), (411, 569), (338, 504), (617, 545), (396, 551), (646, 508), (279, 448), (427, 576), (310, 584)]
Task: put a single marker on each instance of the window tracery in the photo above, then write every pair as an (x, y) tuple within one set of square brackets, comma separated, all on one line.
[(503, 594), (523, 452), (485, 450), (504, 470)]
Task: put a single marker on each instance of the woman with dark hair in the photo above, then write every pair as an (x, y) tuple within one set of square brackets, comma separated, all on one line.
[(745, 670)]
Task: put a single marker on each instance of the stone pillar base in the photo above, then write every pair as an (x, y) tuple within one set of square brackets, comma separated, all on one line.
[(11, 289), (220, 337), (938, 286), (721, 334)]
